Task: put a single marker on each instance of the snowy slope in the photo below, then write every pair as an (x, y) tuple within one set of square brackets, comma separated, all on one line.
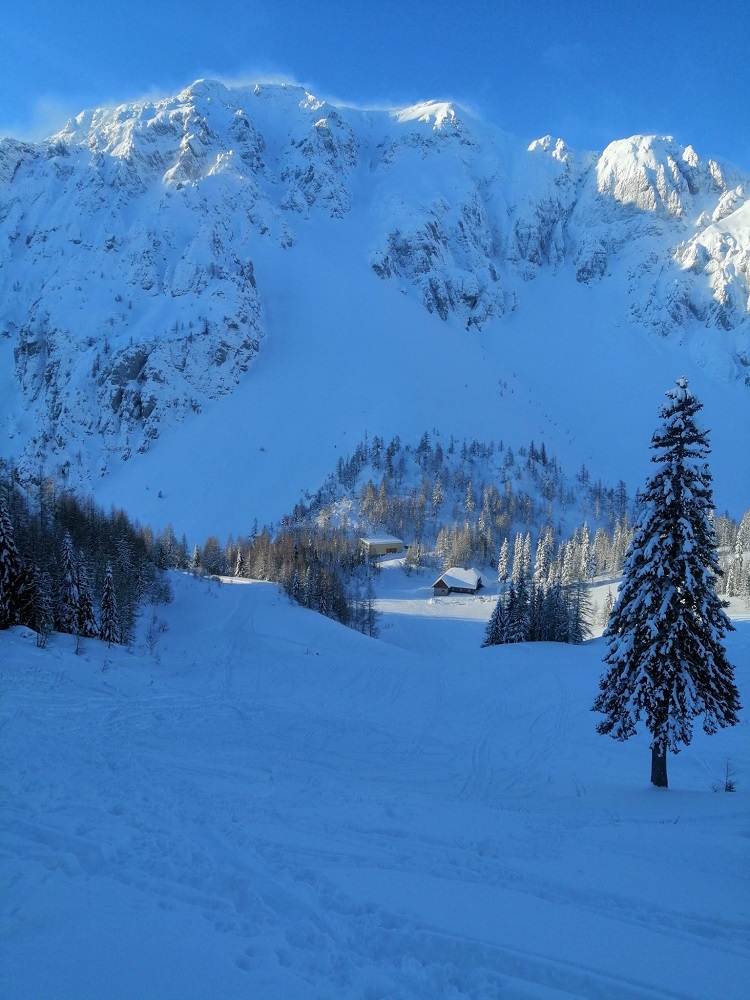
[(273, 806), (255, 259)]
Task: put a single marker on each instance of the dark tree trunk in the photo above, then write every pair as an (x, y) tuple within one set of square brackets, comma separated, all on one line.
[(659, 767)]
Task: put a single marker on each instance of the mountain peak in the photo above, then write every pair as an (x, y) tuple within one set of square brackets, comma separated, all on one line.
[(439, 114), (204, 89), (656, 174)]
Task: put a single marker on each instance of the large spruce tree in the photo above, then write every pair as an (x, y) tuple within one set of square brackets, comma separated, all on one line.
[(666, 657)]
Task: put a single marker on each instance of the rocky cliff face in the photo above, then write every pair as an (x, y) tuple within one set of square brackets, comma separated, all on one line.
[(128, 241)]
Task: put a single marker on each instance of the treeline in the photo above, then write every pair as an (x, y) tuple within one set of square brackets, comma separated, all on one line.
[(322, 569), (455, 503), (576, 559), (733, 543), (533, 612), (458, 501), (68, 566)]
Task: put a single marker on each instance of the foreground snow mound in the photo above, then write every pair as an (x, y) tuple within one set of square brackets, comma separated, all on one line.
[(268, 804)]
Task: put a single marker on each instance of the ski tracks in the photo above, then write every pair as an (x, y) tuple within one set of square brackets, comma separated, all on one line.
[(236, 812)]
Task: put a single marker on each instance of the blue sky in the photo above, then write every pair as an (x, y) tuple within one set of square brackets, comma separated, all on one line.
[(589, 71)]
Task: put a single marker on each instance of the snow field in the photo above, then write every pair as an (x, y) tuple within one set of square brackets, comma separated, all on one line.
[(270, 805)]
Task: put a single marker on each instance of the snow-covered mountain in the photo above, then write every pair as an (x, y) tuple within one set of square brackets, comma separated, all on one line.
[(220, 286)]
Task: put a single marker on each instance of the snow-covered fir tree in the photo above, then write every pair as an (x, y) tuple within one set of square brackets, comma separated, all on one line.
[(85, 621), (32, 604), (502, 563), (526, 568), (109, 621), (518, 561), (45, 612), (606, 611), (518, 612), (544, 550), (195, 561), (557, 615), (666, 656), (535, 613), (66, 609), (495, 633), (579, 612)]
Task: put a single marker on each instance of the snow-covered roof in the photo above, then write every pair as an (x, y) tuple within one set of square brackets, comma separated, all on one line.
[(460, 579), (382, 540)]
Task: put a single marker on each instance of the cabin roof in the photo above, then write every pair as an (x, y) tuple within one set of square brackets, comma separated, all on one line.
[(459, 579)]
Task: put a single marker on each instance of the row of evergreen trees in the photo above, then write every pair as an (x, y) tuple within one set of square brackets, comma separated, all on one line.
[(733, 541), (73, 611), (460, 500), (321, 568), (465, 503), (316, 554), (576, 559), (67, 566), (29, 597), (532, 612)]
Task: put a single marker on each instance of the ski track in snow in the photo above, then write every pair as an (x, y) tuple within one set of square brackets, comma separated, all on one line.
[(329, 816)]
